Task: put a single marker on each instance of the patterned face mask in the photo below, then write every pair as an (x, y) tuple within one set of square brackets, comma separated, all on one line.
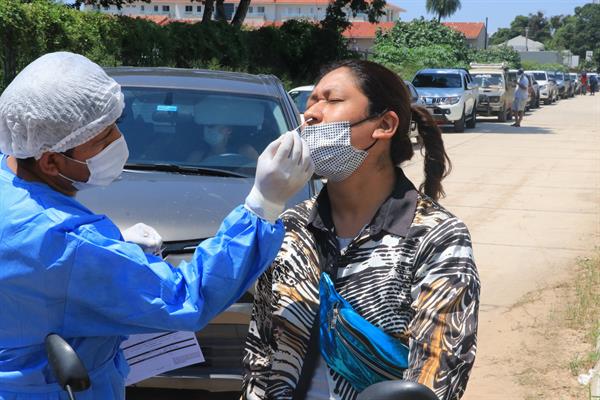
[(331, 150)]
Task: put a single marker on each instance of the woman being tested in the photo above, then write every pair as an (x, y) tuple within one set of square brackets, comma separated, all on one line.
[(66, 270), (398, 259)]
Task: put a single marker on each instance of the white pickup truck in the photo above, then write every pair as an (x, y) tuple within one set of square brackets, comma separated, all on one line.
[(450, 96)]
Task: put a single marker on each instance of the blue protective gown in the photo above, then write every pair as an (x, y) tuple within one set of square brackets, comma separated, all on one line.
[(66, 270)]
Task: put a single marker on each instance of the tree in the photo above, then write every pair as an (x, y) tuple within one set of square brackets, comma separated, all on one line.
[(443, 8), (535, 26), (580, 33), (410, 46), (497, 55), (337, 19)]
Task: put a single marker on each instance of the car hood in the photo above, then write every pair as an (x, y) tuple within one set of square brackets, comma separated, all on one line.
[(491, 89), (178, 206), (440, 92)]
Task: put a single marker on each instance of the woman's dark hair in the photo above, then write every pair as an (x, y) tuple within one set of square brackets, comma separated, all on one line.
[(385, 90)]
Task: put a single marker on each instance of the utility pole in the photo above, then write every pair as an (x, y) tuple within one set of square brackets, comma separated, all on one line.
[(527, 39), (486, 33)]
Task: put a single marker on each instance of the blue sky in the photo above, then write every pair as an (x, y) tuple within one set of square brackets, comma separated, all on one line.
[(500, 13)]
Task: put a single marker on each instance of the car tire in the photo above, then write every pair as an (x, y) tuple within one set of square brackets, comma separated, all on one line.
[(472, 123), (503, 114), (547, 101), (459, 125)]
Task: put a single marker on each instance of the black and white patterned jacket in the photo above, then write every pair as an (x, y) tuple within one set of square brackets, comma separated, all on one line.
[(410, 272)]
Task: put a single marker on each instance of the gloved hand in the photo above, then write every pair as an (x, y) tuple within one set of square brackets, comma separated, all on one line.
[(282, 169), (144, 236)]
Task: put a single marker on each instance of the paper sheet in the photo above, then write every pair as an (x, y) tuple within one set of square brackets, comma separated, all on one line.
[(151, 354)]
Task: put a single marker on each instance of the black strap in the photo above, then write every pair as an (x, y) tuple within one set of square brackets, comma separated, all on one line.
[(310, 362)]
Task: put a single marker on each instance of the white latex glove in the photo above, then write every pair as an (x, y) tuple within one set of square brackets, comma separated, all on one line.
[(144, 236), (282, 169)]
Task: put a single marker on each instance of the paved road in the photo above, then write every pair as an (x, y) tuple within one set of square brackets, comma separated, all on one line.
[(531, 199)]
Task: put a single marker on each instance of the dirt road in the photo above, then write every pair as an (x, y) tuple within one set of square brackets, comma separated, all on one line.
[(531, 199)]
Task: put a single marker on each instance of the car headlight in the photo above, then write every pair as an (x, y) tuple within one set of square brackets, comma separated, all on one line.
[(449, 100), (543, 87), (494, 99)]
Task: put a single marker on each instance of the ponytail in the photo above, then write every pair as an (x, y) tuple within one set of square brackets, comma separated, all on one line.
[(437, 164)]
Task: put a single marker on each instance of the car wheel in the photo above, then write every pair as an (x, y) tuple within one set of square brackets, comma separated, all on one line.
[(459, 126), (547, 101), (473, 118), (503, 114)]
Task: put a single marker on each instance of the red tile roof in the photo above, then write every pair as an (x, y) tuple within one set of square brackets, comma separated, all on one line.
[(366, 30), (158, 19), (471, 30)]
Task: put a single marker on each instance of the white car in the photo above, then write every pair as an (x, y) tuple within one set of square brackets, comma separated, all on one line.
[(300, 96), (450, 95)]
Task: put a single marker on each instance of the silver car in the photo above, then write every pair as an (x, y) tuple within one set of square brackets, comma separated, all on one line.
[(176, 182)]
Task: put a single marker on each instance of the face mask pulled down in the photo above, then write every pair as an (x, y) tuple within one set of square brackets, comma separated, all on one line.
[(331, 149), (105, 166)]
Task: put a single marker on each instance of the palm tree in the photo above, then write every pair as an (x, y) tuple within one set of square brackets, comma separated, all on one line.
[(443, 8)]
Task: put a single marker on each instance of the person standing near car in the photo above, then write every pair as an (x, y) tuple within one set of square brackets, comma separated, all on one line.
[(521, 97), (402, 261), (67, 270), (593, 84), (584, 83)]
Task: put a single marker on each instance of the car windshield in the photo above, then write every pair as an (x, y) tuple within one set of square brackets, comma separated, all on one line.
[(487, 80), (437, 80), (559, 75), (539, 76), (198, 130), (551, 75), (300, 97)]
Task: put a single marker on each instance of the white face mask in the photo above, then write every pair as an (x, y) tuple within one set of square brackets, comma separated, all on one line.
[(105, 166), (331, 150), (214, 137)]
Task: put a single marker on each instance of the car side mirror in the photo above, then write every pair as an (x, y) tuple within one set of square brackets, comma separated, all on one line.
[(66, 365), (471, 86)]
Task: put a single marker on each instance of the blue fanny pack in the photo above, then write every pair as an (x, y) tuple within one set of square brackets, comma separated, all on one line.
[(353, 347)]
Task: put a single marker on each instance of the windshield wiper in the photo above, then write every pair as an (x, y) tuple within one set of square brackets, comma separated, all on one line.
[(184, 169)]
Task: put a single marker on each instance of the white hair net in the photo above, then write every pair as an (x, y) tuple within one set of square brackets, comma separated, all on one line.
[(59, 101)]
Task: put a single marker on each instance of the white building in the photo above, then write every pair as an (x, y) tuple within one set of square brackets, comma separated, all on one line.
[(260, 12)]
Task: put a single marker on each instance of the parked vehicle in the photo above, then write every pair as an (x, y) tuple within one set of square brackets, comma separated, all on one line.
[(569, 87), (547, 86), (561, 84), (496, 94), (450, 95), (575, 78), (174, 184), (300, 96), (534, 92), (414, 99)]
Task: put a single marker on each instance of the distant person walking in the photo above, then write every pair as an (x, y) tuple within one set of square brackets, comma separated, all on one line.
[(584, 83), (593, 84), (521, 97)]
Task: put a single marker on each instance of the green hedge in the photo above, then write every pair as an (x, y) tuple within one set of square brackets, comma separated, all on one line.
[(295, 52)]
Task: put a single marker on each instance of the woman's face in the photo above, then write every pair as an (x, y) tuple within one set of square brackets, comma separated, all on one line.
[(337, 98)]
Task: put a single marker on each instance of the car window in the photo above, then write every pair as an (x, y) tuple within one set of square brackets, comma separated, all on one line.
[(300, 97), (199, 129), (438, 80), (488, 80), (539, 76)]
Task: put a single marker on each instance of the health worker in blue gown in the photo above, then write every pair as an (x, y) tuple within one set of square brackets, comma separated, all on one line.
[(66, 270)]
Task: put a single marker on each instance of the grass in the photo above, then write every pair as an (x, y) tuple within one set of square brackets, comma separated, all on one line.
[(584, 313)]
